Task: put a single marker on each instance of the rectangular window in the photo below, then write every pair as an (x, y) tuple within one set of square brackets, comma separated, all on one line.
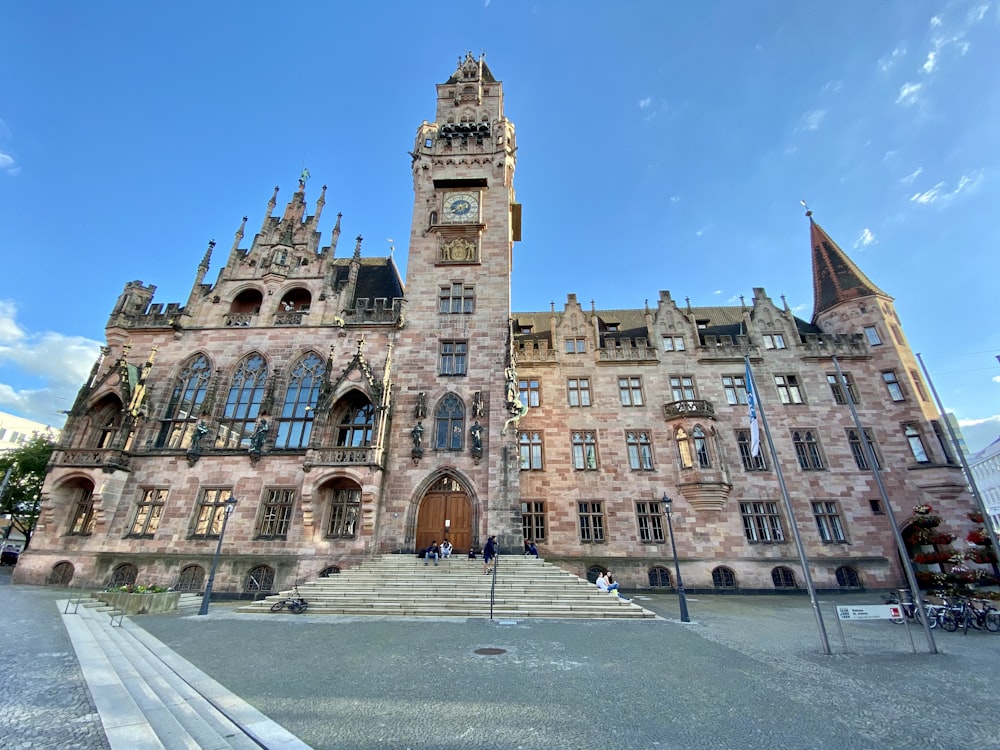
[(276, 514), (530, 445), (578, 391), (591, 522), (584, 451), (807, 450), (630, 390), (828, 522), (892, 385), (750, 462), (640, 451), (761, 523), (457, 298), (453, 354), (916, 443), (774, 341), (345, 505), (148, 513), (83, 514), (871, 333), (682, 387), (211, 511), (530, 392), (650, 519), (876, 506), (838, 389), (533, 520), (673, 343), (788, 389), (576, 346), (735, 387), (858, 450), (918, 385)]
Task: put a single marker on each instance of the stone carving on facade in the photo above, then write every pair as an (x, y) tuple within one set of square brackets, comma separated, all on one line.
[(420, 410), (458, 249), (417, 433)]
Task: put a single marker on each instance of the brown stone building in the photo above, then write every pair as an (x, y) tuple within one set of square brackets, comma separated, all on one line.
[(349, 414)]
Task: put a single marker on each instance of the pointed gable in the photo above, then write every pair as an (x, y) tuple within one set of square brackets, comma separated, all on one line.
[(835, 277)]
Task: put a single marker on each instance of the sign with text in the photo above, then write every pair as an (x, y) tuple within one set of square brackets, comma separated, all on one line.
[(870, 612)]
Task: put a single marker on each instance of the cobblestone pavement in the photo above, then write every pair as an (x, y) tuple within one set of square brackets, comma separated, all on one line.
[(44, 701), (747, 673)]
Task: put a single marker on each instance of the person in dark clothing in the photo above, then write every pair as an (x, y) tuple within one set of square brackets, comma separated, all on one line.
[(433, 551), (489, 554)]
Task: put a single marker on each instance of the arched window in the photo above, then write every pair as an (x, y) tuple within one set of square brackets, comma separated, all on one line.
[(683, 448), (640, 453), (723, 578), (83, 519), (848, 578), (259, 579), (295, 422), (192, 578), (123, 575), (184, 406), (355, 428), (345, 507), (593, 572), (62, 574), (449, 428), (246, 393), (330, 570), (783, 578), (701, 448), (659, 577)]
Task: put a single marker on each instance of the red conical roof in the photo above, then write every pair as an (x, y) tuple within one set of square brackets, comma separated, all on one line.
[(835, 277)]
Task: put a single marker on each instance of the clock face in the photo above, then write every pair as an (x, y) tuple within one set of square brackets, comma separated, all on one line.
[(461, 207)]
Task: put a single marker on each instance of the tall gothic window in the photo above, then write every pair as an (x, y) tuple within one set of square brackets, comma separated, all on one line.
[(184, 407), (246, 393), (210, 512), (355, 428), (449, 424), (295, 422), (701, 448), (83, 513)]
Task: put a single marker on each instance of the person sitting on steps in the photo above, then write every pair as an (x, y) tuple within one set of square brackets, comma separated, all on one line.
[(445, 549), (606, 584), (432, 551)]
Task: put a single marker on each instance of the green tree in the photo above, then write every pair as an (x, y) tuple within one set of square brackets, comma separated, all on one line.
[(28, 465)]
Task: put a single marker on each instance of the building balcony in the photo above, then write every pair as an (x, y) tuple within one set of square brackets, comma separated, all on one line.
[(289, 319), (343, 456), (240, 320), (628, 354), (694, 407), (91, 458), (829, 344), (725, 348)]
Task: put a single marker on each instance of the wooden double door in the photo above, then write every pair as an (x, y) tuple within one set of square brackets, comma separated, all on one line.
[(445, 513)]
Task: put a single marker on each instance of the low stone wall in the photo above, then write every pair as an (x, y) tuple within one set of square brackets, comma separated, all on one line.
[(141, 604)]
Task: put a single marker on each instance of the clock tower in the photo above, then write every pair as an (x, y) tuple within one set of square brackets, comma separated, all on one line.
[(455, 468)]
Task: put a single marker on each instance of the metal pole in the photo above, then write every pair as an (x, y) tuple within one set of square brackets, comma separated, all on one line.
[(230, 505), (911, 578), (681, 599)]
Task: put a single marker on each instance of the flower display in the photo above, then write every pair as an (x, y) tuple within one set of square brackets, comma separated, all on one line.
[(922, 510)]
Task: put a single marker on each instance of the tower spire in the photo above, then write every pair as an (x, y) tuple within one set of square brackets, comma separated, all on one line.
[(836, 278)]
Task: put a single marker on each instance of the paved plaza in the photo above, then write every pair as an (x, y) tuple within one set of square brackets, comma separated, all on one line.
[(747, 673)]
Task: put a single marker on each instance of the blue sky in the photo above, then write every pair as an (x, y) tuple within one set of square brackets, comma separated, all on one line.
[(662, 145)]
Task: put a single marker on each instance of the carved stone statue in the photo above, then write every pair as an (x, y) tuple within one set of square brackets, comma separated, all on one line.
[(199, 432), (259, 435), (476, 431), (418, 437)]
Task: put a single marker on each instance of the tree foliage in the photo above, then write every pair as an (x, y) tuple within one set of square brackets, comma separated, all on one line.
[(28, 465)]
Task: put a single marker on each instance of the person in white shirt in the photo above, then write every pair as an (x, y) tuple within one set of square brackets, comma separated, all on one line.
[(446, 549)]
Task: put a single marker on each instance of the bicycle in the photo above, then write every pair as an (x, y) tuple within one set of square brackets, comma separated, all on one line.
[(910, 611), (296, 604), (966, 614)]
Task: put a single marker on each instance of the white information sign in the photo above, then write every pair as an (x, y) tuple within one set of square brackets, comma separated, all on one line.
[(870, 612)]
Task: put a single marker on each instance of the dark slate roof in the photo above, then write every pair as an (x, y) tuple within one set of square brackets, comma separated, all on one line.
[(835, 277), (377, 277)]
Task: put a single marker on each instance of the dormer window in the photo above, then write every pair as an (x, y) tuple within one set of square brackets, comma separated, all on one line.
[(612, 328), (280, 257), (702, 324)]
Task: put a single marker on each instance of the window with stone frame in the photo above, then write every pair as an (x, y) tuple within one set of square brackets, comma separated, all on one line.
[(828, 523), (841, 391), (640, 450), (892, 385), (183, 410), (749, 461), (449, 424), (243, 402), (530, 448), (761, 522), (683, 448), (788, 389), (673, 343), (774, 341), (148, 512), (700, 441), (578, 391), (453, 357), (457, 298), (630, 391), (591, 515), (210, 512), (533, 520), (576, 346), (357, 423), (294, 424), (584, 451), (871, 333), (682, 388), (916, 443), (345, 507), (649, 517), (807, 450), (275, 513), (82, 523), (529, 391), (858, 449), (918, 384), (735, 387)]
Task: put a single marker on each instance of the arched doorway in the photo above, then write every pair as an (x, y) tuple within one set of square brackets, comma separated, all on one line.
[(445, 511)]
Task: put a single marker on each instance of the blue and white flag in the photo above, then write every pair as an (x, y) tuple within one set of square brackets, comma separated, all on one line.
[(752, 410)]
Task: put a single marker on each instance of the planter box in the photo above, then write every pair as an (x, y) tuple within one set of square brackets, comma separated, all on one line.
[(141, 604)]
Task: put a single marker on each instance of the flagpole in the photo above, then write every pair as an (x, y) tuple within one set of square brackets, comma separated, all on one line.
[(752, 393), (904, 555)]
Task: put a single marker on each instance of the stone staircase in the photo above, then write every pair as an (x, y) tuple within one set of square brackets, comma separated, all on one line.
[(149, 698), (403, 585)]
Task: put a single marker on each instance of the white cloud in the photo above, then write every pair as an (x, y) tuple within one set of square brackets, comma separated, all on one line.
[(929, 63), (908, 94), (889, 62), (977, 14), (979, 433), (717, 291), (8, 165), (935, 21), (56, 365), (832, 87), (645, 103), (912, 175), (812, 120), (675, 199), (996, 378), (966, 183), (928, 196), (865, 238)]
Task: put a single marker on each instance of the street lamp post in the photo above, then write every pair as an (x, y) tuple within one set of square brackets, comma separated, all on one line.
[(681, 599), (229, 507)]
